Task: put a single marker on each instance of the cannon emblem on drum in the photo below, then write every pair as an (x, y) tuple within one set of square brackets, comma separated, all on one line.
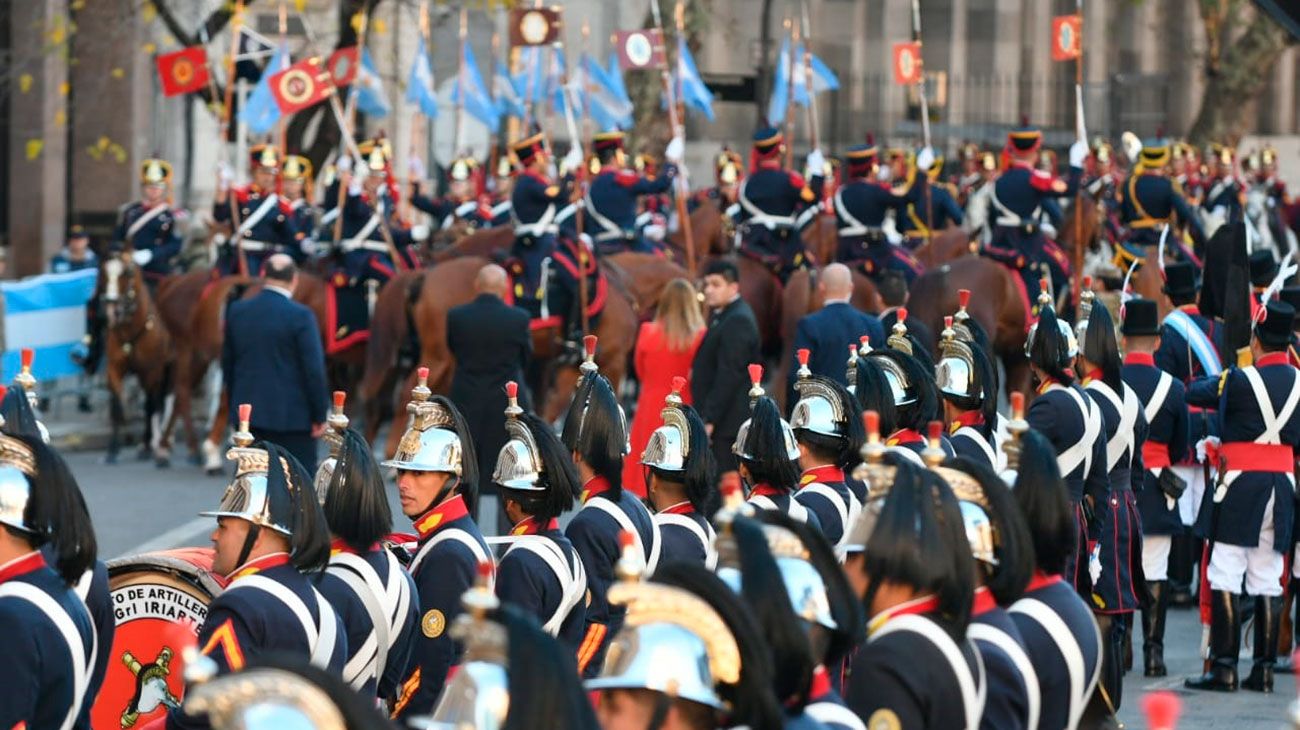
[(151, 690)]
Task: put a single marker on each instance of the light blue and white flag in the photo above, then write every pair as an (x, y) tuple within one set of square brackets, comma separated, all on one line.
[(260, 112), (48, 314), (694, 93), (420, 87), (470, 87), (369, 88)]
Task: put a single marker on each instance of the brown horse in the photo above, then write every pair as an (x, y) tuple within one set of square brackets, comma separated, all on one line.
[(136, 343), (484, 242), (950, 243), (711, 233), (451, 284)]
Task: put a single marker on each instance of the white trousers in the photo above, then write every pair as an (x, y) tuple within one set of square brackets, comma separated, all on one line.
[(1189, 504), (1260, 566), (1155, 556)]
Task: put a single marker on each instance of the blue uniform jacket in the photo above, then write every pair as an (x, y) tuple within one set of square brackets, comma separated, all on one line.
[(969, 440), (827, 333), (1007, 702), (1149, 198), (833, 513), (1224, 193), (146, 230), (765, 497), (943, 208), (272, 229), (527, 581), (444, 568), (1241, 513), (868, 201), (36, 678), (272, 357), (1167, 430), (1055, 598), (1023, 191), (681, 543), (359, 626), (370, 257), (533, 194), (595, 535), (1054, 414), (247, 624), (613, 195)]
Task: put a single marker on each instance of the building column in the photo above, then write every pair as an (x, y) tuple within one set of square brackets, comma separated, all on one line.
[(37, 135)]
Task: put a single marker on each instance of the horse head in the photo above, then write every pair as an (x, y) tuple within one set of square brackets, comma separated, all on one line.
[(118, 273)]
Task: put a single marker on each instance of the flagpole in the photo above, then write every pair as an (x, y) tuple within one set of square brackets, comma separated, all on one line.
[(1077, 284), (235, 30), (925, 115), (576, 139), (412, 150), (679, 129), (808, 76), (789, 92), (282, 129), (460, 82)]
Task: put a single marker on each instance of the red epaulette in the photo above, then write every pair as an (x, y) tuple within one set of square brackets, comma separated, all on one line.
[(286, 207), (1046, 182), (796, 180), (626, 178)]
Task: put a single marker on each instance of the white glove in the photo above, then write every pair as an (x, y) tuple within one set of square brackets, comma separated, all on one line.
[(142, 256), (1094, 563), (354, 186), (572, 161), (925, 159), (344, 164), (673, 152), (1078, 153), (419, 232), (309, 247), (224, 175), (415, 166), (654, 232), (816, 162)]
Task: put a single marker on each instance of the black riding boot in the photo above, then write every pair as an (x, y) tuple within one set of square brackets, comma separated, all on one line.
[(1225, 644), (1181, 558), (1268, 618), (1153, 628), (1285, 665)]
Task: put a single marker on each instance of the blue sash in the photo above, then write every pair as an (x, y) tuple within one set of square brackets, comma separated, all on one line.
[(1197, 340)]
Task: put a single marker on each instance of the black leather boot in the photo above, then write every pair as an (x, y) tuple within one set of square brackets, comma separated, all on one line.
[(1284, 664), (1181, 575), (1153, 629), (1268, 617), (1225, 644)]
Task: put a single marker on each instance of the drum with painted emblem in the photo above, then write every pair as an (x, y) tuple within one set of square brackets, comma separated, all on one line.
[(156, 597)]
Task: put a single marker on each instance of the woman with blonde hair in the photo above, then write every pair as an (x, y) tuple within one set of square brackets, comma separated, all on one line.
[(665, 348)]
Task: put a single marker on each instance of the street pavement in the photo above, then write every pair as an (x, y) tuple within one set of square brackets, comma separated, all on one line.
[(138, 508)]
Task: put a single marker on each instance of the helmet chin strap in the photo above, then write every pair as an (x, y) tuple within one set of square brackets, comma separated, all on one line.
[(662, 704), (448, 490), (254, 530)]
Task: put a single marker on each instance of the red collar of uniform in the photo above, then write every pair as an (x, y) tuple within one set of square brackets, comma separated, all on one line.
[(827, 474), (609, 168), (257, 565), (1190, 309), (1140, 358), (1094, 374), (984, 601), (536, 175), (1041, 580), (22, 565), (594, 486), (431, 521), (1273, 358), (766, 490), (772, 164), (905, 436), (821, 683), (915, 607), (1047, 383), (530, 526), (337, 545), (681, 508), (969, 418)]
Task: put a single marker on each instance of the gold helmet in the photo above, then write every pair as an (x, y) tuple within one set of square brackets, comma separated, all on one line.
[(154, 171), (264, 156), (431, 442)]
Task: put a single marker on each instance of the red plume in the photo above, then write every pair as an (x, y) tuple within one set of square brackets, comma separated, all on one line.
[(871, 423), (963, 297), (512, 389), (422, 374), (589, 342), (27, 355), (340, 398), (871, 139), (755, 373), (947, 322), (679, 383), (1017, 404), (245, 412), (803, 354), (1161, 709), (902, 314), (935, 428)]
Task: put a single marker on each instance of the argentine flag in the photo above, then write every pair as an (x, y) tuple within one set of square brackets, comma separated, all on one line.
[(419, 88), (694, 93), (260, 112), (371, 99)]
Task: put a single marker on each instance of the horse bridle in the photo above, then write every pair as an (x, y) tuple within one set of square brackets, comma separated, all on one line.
[(122, 308)]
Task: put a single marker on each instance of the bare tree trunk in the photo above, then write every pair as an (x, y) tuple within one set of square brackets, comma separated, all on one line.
[(646, 88), (1242, 47)]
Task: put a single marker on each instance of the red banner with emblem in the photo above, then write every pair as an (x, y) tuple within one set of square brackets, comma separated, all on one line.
[(1067, 37), (907, 63), (343, 66), (183, 71), (301, 85), (640, 49)]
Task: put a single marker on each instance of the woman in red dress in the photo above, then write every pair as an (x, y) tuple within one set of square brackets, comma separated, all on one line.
[(664, 350)]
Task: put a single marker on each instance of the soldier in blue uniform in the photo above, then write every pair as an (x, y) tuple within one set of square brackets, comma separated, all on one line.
[(1165, 409), (768, 456), (371, 230), (1060, 633), (860, 208), (1223, 194), (437, 482), (464, 201), (916, 669), (611, 198), (770, 198), (296, 187), (967, 385), (680, 483), (264, 225), (909, 375), (1149, 203), (1003, 551), (1073, 424), (728, 171), (595, 432), (1019, 196), (933, 210), (47, 544), (1115, 537), (150, 226), (364, 582), (541, 571), (828, 431), (541, 284), (1249, 516), (270, 535)]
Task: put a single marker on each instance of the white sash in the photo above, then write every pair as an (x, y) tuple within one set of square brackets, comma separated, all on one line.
[(268, 203), (625, 523), (1122, 441), (795, 510), (1006, 216), (320, 638), (379, 600), (1080, 452), (81, 666), (1158, 397), (1080, 687), (363, 235), (999, 638), (609, 229), (705, 537), (1273, 421), (568, 570), (848, 513), (757, 215), (834, 715), (855, 227), (460, 536), (541, 226), (139, 223), (973, 434), (972, 690)]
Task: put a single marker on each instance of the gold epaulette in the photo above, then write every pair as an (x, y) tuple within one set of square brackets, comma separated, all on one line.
[(1244, 357), (1223, 381)]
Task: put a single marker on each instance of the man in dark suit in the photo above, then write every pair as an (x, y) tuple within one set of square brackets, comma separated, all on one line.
[(491, 343), (719, 374), (829, 331), (272, 359)]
